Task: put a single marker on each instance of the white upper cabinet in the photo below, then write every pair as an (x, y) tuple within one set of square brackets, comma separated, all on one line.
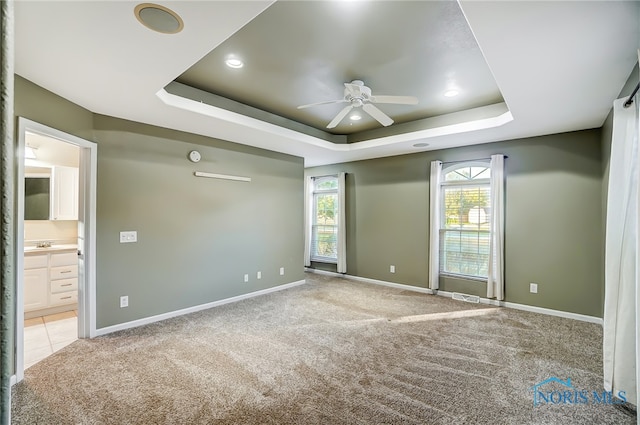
[(64, 197)]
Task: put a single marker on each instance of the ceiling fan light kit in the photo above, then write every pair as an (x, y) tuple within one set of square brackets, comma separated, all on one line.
[(359, 96)]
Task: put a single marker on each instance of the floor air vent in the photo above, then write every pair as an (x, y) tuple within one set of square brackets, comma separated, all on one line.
[(466, 298)]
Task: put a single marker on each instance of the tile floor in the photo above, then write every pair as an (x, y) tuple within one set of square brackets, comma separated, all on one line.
[(45, 335)]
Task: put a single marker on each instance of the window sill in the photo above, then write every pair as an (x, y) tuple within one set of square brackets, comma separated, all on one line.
[(464, 277), (324, 260)]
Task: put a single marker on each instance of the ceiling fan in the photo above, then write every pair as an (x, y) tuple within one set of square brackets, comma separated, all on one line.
[(358, 95)]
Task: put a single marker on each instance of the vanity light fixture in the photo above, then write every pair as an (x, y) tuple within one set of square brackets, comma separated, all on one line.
[(29, 152), (159, 18)]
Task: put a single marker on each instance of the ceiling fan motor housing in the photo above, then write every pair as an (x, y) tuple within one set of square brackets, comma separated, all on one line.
[(356, 93), (359, 96)]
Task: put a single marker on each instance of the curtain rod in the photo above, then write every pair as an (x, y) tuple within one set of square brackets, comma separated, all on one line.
[(630, 99), (470, 160)]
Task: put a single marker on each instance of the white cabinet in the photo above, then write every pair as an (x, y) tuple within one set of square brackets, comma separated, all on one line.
[(63, 278), (50, 280), (64, 193), (63, 285), (36, 283)]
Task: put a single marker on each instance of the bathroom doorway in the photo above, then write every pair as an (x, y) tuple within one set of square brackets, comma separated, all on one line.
[(55, 247)]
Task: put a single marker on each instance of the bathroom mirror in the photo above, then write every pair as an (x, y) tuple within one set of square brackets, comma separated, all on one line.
[(37, 196)]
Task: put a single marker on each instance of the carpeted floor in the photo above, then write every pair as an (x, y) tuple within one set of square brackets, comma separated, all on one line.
[(332, 351)]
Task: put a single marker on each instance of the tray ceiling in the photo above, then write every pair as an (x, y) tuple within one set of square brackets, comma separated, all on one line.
[(420, 49)]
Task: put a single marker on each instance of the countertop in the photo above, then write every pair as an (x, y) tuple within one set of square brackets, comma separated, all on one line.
[(52, 248)]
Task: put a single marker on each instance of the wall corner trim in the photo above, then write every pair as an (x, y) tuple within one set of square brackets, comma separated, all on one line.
[(182, 312), (515, 306)]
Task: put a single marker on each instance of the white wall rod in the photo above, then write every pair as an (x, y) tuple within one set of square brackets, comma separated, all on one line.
[(222, 176)]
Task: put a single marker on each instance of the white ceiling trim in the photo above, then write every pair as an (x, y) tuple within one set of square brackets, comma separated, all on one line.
[(455, 123)]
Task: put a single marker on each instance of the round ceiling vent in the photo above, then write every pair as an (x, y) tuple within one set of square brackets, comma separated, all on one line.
[(159, 18)]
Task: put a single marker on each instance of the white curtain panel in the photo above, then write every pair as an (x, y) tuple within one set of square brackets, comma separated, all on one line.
[(637, 162), (308, 212), (621, 255), (342, 224), (495, 282), (434, 224)]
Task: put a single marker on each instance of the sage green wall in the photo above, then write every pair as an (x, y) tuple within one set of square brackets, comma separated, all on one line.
[(553, 219), (42, 106), (197, 237)]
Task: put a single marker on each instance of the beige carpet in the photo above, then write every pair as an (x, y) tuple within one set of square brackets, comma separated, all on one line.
[(332, 351)]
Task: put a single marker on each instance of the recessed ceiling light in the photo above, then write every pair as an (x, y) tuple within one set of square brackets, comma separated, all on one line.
[(234, 63), (421, 145), (159, 18), (451, 93), (355, 117)]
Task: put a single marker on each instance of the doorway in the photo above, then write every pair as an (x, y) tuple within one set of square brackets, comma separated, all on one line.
[(55, 292)]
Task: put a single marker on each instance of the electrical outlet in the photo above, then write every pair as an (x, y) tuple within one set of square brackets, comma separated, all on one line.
[(533, 288), (281, 271), (259, 275), (392, 269), (124, 301), (246, 278), (128, 237)]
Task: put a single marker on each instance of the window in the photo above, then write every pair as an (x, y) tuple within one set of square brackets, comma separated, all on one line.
[(465, 220), (324, 219)]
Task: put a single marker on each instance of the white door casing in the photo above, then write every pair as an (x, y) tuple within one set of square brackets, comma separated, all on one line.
[(87, 178)]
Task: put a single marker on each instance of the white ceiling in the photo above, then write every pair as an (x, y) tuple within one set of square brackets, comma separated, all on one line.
[(558, 65), (50, 152)]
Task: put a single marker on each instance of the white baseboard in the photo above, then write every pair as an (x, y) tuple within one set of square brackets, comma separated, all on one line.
[(13, 380), (51, 310), (534, 309), (374, 281), (550, 312), (516, 306), (164, 316), (391, 284)]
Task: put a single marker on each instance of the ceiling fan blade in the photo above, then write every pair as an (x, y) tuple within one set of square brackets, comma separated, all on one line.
[(376, 113), (340, 116), (400, 100), (321, 103)]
